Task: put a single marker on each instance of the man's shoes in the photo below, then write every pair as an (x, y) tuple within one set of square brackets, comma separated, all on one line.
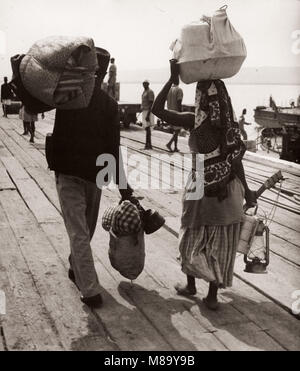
[(148, 147), (176, 150), (93, 301)]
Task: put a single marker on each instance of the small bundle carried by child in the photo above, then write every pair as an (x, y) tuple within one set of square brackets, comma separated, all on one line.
[(209, 49), (56, 72)]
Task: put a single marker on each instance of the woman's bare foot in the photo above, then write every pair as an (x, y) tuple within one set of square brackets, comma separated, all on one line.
[(185, 290), (211, 303)]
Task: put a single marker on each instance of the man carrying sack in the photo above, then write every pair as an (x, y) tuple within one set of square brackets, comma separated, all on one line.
[(79, 137)]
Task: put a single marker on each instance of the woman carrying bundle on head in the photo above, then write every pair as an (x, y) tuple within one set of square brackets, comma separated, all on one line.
[(210, 224)]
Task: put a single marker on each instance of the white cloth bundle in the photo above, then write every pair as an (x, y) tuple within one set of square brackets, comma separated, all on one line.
[(209, 49)]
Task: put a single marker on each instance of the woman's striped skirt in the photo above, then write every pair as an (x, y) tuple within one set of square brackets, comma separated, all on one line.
[(209, 252)]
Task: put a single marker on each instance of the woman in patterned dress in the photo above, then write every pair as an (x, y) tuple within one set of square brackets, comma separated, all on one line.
[(210, 223)]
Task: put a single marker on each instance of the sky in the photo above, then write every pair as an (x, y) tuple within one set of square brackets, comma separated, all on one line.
[(138, 33)]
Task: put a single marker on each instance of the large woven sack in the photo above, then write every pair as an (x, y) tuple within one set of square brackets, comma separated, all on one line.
[(60, 71), (209, 49), (127, 254)]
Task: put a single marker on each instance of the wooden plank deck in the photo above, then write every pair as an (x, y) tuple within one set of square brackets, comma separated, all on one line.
[(43, 307), (284, 254)]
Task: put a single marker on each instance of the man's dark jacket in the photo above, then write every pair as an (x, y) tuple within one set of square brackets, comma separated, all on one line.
[(80, 136)]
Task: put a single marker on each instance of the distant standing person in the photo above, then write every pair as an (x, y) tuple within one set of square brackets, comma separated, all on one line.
[(112, 78), (272, 104), (29, 120), (174, 103), (6, 96), (147, 115), (242, 123)]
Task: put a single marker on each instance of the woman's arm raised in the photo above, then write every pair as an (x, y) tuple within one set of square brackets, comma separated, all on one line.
[(184, 119)]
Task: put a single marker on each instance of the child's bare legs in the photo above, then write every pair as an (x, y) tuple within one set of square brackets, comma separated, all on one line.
[(189, 289), (32, 131), (211, 301), (26, 125)]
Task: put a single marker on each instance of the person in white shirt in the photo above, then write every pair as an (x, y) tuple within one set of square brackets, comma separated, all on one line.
[(147, 115), (174, 103), (242, 123), (112, 78)]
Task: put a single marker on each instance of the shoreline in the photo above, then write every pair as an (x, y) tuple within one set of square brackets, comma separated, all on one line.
[(228, 83)]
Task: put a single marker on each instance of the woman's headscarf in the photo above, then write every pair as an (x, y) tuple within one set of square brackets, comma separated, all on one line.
[(216, 134)]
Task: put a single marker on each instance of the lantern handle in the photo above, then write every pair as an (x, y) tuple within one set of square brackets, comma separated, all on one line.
[(224, 7), (267, 230), (268, 184)]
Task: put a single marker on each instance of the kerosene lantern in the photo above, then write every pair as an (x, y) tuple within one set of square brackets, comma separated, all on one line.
[(254, 240), (254, 243), (258, 257)]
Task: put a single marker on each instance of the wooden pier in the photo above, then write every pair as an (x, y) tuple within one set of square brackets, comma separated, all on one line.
[(43, 308)]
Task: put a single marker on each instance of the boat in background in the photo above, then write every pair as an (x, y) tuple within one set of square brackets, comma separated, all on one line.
[(280, 125), (271, 118)]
